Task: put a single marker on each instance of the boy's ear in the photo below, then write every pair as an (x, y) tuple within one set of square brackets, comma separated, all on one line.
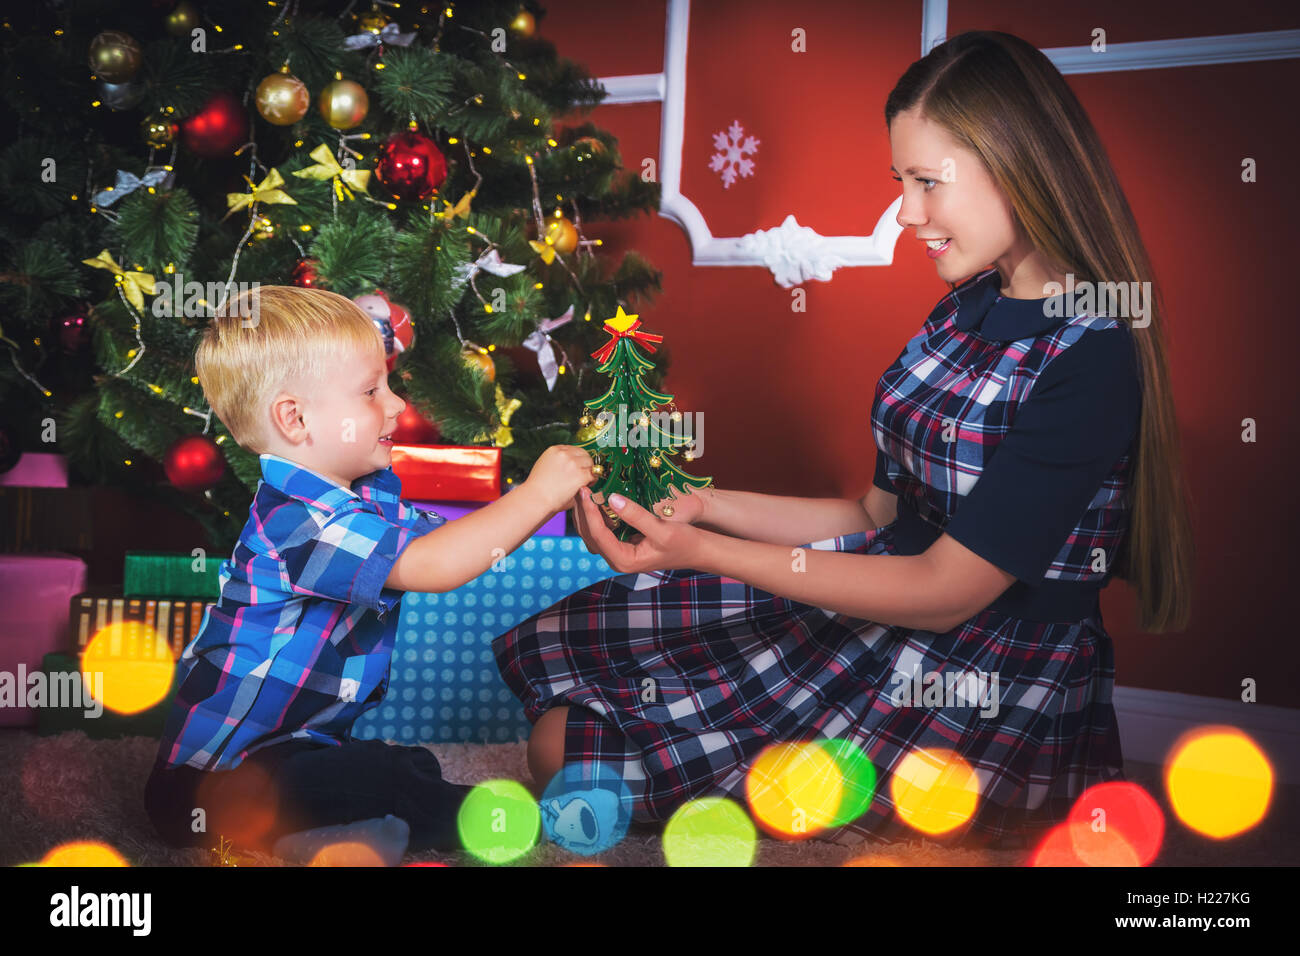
[(286, 416)]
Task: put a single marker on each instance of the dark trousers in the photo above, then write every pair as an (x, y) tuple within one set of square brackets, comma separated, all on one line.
[(301, 785)]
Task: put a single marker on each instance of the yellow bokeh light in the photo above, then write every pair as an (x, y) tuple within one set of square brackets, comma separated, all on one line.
[(794, 789), (1219, 781), (86, 853), (128, 667), (346, 854), (934, 790), (710, 831)]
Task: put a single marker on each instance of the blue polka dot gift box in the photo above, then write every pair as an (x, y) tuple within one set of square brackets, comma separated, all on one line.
[(444, 685)]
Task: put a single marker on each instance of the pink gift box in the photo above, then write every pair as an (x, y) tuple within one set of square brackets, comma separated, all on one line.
[(35, 591), (37, 470), (451, 510)]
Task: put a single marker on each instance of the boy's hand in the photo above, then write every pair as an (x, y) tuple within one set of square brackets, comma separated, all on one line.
[(559, 473)]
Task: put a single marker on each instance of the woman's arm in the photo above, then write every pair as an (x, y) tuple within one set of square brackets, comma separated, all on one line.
[(776, 519)]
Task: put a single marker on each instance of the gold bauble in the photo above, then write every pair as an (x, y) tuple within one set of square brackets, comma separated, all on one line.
[(655, 461), (157, 131), (373, 20), (182, 19), (597, 470), (667, 511), (561, 234), (643, 421), (114, 56), (523, 24), (344, 104), (584, 421), (282, 98), (676, 416), (482, 361)]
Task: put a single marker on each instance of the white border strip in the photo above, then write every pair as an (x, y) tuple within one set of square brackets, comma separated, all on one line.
[(1152, 721), (1184, 51), (797, 253)]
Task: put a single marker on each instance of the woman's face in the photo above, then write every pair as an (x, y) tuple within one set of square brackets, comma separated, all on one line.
[(948, 194)]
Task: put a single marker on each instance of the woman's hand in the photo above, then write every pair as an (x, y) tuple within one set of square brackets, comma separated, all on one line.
[(688, 507), (661, 544)]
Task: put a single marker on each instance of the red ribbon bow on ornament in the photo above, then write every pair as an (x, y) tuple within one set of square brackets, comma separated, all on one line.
[(624, 326)]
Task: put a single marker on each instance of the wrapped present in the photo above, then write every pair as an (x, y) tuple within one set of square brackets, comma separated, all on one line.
[(451, 510), (176, 620), (172, 574), (74, 703), (444, 683), (45, 519), (37, 469), (34, 593), (448, 472)]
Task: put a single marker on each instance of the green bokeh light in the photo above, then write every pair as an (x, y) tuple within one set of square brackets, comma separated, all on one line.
[(711, 831), (499, 821)]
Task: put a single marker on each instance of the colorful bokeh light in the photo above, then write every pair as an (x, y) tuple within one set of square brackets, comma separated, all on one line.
[(499, 821), (1116, 809), (87, 853), (934, 791), (1219, 781), (710, 831), (128, 667)]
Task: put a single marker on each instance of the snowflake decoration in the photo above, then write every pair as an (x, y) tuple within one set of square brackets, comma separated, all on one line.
[(731, 156)]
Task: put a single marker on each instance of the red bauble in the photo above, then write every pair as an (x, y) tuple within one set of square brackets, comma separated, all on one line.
[(414, 429), (304, 274), (219, 128), (194, 463), (411, 166)]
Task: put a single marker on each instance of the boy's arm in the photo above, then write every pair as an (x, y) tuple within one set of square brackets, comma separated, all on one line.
[(459, 551)]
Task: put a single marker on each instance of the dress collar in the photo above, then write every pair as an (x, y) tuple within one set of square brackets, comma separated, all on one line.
[(983, 307), (294, 480)]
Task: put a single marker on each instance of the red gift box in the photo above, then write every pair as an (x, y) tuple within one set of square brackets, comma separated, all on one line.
[(448, 472)]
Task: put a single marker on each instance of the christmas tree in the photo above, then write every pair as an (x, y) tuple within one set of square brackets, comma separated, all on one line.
[(165, 155), (632, 440)]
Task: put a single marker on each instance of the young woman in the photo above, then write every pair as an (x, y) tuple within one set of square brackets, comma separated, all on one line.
[(1026, 453)]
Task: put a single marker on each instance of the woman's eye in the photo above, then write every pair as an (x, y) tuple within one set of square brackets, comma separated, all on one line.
[(930, 182), (372, 391)]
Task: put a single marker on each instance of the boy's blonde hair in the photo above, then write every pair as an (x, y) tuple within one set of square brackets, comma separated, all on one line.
[(267, 337)]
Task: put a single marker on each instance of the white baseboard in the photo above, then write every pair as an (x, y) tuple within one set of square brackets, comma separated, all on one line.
[(1151, 721)]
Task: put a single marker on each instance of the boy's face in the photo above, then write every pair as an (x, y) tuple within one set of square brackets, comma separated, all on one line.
[(346, 416)]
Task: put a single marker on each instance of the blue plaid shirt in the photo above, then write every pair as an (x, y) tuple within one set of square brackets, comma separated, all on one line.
[(300, 642)]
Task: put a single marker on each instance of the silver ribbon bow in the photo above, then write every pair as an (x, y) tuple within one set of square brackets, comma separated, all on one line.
[(389, 34), (540, 342), (491, 262), (128, 183)]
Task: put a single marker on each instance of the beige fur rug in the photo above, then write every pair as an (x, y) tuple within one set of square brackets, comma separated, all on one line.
[(69, 787)]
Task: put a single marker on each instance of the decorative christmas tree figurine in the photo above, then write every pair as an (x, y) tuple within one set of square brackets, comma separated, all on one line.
[(631, 440)]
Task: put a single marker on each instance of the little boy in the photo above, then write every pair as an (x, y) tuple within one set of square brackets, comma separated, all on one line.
[(257, 747)]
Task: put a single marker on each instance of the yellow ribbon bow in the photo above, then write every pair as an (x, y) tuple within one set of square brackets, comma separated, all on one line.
[(502, 436), (327, 167), (543, 249), (133, 283), (267, 191), (461, 209)]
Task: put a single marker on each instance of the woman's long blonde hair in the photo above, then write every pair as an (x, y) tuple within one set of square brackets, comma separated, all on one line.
[(1004, 100)]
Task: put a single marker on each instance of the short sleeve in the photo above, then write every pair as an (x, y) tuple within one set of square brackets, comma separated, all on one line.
[(1078, 421), (350, 557), (881, 480)]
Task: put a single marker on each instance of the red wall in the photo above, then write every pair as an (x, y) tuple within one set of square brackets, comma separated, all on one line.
[(786, 395)]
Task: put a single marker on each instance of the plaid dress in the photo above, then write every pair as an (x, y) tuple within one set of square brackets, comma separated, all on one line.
[(734, 669)]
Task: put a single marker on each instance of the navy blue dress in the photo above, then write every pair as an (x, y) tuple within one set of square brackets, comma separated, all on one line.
[(1002, 424)]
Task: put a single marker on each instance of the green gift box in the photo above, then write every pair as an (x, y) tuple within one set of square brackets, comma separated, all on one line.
[(69, 705), (167, 574)]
